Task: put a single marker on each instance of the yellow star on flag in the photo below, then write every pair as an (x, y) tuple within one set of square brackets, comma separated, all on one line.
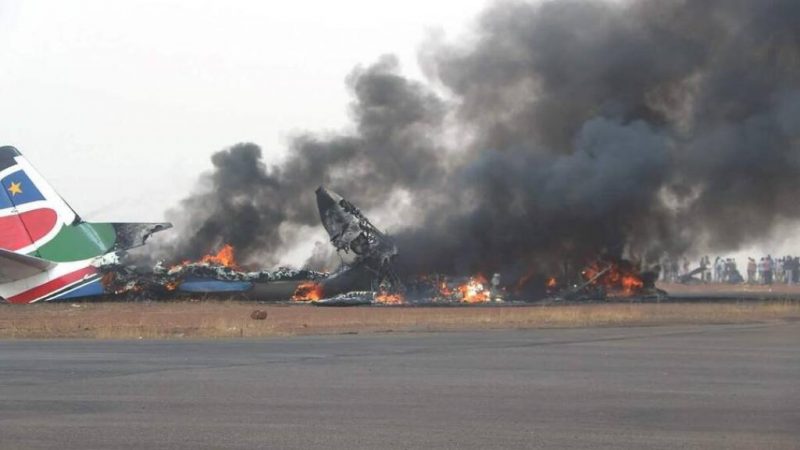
[(15, 188)]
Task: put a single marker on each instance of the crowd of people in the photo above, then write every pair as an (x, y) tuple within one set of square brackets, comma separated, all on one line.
[(765, 270)]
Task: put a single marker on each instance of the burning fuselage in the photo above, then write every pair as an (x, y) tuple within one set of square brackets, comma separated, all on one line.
[(368, 277)]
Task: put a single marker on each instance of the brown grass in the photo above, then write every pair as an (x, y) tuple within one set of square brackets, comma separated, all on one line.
[(191, 319), (232, 319)]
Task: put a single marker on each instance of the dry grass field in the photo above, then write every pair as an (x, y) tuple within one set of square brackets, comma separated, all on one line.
[(223, 319)]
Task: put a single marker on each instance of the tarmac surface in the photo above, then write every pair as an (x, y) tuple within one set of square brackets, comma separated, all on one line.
[(723, 386)]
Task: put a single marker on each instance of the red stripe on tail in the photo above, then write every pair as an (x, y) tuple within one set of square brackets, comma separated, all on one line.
[(52, 286), (21, 230)]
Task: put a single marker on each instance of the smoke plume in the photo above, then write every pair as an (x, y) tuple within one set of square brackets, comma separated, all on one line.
[(559, 130)]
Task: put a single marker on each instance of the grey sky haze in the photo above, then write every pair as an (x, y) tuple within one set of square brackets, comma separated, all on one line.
[(120, 103)]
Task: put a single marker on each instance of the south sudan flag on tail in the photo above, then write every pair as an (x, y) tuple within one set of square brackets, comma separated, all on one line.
[(25, 215), (19, 190)]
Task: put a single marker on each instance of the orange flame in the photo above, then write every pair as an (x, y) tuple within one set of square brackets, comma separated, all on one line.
[(552, 283), (224, 257), (474, 290), (621, 279), (631, 283), (389, 299), (307, 292), (444, 289)]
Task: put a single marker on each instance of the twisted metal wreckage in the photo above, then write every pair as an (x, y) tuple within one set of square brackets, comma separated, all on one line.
[(47, 252), (367, 278)]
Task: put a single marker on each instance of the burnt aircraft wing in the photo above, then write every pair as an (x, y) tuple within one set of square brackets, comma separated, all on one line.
[(131, 235)]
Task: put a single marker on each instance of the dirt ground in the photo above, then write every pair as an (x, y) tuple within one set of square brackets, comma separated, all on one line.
[(226, 319)]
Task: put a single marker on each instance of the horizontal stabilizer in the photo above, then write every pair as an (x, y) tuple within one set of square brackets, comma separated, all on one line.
[(16, 266), (132, 235)]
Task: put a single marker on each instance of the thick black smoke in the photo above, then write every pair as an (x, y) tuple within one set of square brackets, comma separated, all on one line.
[(255, 207), (583, 127)]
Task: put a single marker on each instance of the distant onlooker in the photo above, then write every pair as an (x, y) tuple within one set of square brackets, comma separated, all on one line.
[(768, 270), (705, 263), (734, 277), (751, 270), (731, 272), (719, 268), (791, 265)]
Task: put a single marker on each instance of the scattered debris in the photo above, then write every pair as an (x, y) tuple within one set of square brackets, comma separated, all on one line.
[(367, 277), (609, 278), (356, 298), (689, 278), (258, 315)]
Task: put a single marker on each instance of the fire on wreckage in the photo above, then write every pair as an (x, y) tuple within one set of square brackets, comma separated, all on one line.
[(367, 278), (608, 278), (369, 274)]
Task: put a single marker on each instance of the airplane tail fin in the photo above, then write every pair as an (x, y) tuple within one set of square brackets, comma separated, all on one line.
[(30, 210), (35, 220)]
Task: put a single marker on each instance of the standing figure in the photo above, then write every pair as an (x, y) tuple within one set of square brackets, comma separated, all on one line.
[(719, 266), (751, 270), (768, 269)]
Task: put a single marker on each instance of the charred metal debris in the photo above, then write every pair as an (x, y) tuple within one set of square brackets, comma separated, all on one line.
[(366, 277)]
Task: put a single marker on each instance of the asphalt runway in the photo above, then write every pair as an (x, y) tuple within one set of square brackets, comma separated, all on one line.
[(724, 386)]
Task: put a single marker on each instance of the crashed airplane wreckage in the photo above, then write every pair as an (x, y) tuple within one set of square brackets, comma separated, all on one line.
[(367, 278), (608, 279), (47, 252)]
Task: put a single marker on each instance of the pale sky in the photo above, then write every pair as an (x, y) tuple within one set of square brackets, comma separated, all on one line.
[(119, 104)]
